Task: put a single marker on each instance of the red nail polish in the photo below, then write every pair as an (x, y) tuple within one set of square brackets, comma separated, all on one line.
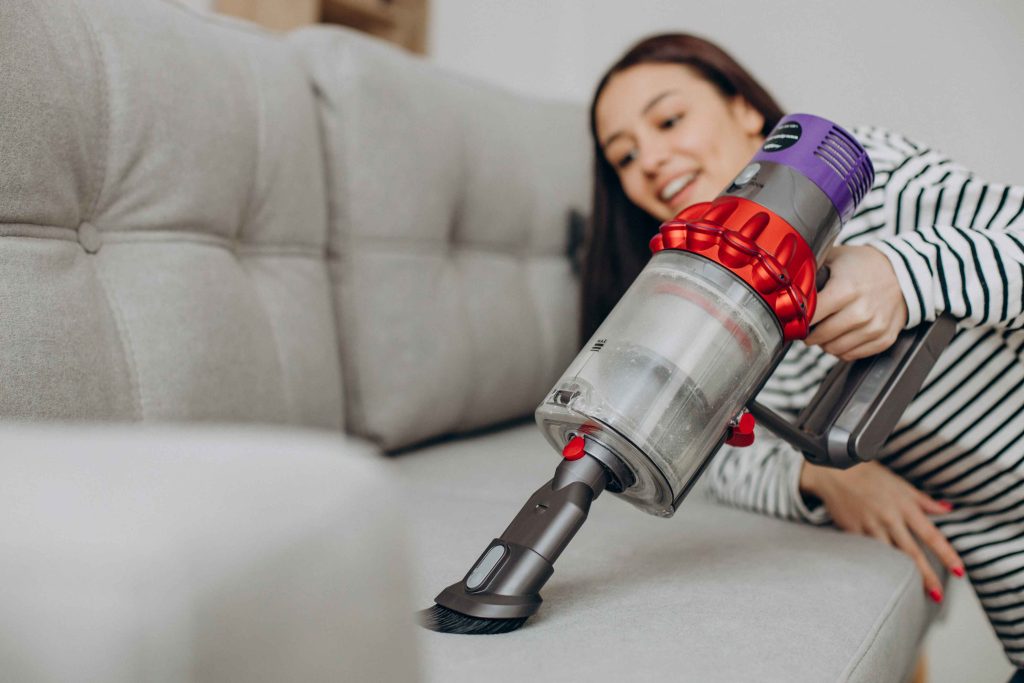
[(959, 571), (935, 594), (947, 505)]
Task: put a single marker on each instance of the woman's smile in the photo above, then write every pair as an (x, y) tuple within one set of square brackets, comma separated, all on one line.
[(675, 193)]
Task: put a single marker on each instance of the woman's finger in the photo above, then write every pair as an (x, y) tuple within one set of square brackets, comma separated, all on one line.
[(931, 506), (856, 339), (830, 300), (876, 531), (903, 540), (868, 348), (930, 535), (835, 326)]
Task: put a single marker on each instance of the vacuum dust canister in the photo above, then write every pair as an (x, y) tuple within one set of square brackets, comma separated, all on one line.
[(663, 382)]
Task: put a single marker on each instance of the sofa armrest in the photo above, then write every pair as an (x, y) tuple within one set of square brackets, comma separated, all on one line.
[(229, 553)]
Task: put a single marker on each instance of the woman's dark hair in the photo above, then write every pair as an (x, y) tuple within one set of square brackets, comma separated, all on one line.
[(617, 245)]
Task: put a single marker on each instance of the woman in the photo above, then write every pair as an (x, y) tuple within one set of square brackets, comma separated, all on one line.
[(673, 121)]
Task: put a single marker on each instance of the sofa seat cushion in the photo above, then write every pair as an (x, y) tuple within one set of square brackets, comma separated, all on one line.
[(144, 553), (713, 594)]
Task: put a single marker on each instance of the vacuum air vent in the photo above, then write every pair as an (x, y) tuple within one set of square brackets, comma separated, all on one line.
[(844, 156)]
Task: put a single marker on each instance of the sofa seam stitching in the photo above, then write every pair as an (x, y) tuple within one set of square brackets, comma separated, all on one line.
[(69, 234), (119, 237), (454, 243), (216, 241), (869, 640), (103, 157), (252, 193), (404, 244), (291, 399), (125, 337), (354, 415)]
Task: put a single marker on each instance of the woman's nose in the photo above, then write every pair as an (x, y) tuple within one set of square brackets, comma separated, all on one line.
[(652, 156)]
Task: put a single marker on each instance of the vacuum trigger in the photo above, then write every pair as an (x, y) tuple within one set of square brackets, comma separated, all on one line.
[(574, 449), (741, 431)]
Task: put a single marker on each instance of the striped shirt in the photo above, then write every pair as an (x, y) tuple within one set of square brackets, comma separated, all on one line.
[(956, 244)]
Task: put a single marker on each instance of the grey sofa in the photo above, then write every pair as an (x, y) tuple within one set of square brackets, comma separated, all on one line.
[(324, 249)]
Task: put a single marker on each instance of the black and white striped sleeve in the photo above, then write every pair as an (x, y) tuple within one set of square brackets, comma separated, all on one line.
[(763, 477), (956, 242)]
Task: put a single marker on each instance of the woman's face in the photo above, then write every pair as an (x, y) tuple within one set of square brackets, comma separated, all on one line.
[(672, 137)]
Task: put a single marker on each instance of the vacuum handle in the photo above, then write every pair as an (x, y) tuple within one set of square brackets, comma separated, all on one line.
[(859, 403)]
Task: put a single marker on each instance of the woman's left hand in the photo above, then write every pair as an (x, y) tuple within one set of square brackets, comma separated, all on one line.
[(872, 500), (861, 309)]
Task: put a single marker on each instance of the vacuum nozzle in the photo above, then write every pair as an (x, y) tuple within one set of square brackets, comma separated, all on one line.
[(502, 589)]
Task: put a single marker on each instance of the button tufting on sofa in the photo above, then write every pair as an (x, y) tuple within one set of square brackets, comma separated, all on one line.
[(90, 238)]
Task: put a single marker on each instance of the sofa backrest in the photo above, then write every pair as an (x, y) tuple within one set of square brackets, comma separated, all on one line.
[(162, 220), (449, 212), (201, 220)]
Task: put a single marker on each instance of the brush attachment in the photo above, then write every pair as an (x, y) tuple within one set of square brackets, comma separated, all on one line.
[(444, 620), (502, 589)]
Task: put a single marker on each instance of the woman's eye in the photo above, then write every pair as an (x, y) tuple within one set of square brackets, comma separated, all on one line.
[(625, 159), (671, 121)]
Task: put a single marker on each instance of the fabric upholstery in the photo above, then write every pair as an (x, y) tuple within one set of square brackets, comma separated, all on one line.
[(199, 554), (162, 219), (449, 213), (712, 594)]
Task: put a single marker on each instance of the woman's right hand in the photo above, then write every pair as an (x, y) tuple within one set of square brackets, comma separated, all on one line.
[(871, 500)]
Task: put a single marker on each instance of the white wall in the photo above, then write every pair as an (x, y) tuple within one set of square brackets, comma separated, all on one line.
[(945, 72)]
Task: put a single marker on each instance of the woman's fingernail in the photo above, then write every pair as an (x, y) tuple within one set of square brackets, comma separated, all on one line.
[(959, 571), (947, 505), (935, 594)]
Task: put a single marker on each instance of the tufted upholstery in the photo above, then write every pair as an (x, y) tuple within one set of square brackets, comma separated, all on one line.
[(162, 220), (449, 212), (170, 182)]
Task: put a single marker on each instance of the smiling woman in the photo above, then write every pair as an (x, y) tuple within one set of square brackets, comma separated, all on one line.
[(673, 122)]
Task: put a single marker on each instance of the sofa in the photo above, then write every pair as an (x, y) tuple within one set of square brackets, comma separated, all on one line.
[(275, 312)]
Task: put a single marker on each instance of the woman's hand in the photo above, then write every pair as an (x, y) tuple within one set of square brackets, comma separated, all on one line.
[(861, 310), (871, 500)]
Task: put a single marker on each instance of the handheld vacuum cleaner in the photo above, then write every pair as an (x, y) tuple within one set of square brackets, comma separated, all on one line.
[(670, 374)]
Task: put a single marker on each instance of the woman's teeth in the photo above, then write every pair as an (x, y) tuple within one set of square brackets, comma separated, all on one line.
[(673, 188)]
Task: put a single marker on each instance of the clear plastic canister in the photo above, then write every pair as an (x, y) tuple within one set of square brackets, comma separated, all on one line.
[(682, 352)]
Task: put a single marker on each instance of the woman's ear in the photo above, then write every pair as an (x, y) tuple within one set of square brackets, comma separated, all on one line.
[(749, 118)]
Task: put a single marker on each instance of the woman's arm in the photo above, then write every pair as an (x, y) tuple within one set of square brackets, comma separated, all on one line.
[(955, 242), (959, 249), (871, 500), (932, 239), (773, 478), (764, 477)]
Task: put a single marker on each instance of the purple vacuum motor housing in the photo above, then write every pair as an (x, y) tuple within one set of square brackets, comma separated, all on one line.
[(825, 154)]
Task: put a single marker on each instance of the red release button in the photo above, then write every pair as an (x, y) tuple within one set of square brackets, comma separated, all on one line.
[(743, 433), (574, 449)]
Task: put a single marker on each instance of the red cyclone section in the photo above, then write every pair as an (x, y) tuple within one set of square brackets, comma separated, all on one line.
[(758, 246)]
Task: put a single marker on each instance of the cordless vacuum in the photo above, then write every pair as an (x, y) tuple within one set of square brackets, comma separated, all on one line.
[(670, 374)]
